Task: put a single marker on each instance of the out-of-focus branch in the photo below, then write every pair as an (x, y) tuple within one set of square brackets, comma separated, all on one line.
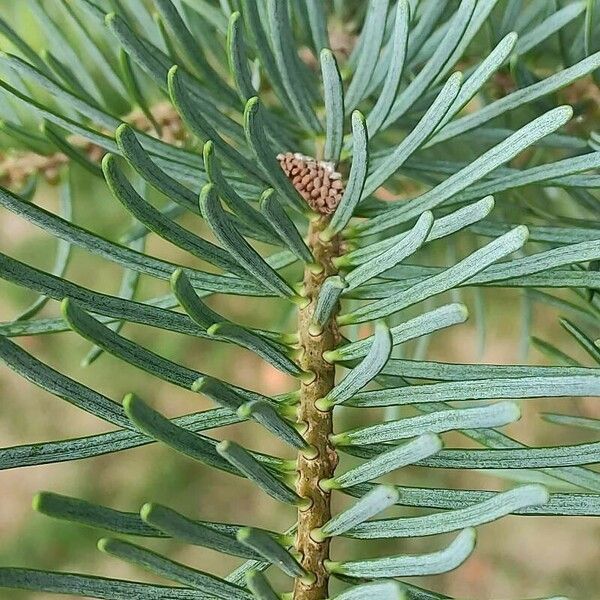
[(16, 166)]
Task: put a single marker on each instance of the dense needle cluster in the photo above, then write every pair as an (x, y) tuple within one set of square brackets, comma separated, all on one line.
[(472, 175)]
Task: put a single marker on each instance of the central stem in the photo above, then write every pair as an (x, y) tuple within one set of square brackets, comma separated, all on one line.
[(321, 463)]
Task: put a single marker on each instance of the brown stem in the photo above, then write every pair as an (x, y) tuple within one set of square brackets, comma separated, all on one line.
[(321, 464)]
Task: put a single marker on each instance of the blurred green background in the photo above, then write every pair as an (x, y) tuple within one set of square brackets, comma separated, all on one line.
[(516, 558)]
